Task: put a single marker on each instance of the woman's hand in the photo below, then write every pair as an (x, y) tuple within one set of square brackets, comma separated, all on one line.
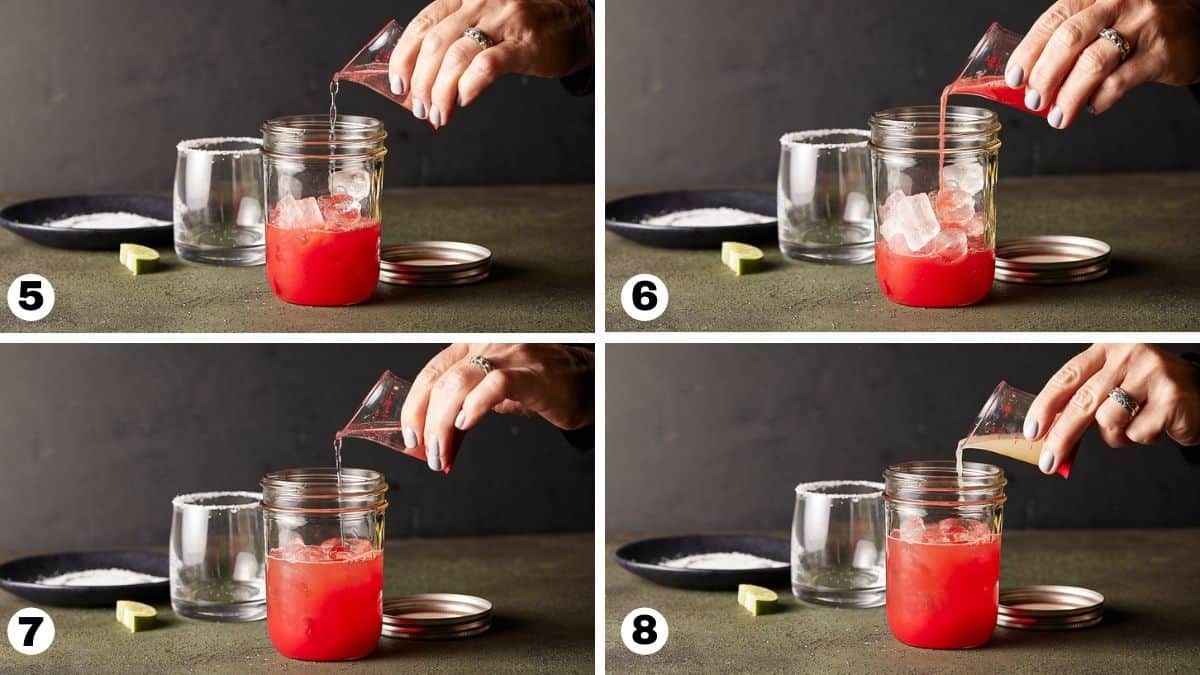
[(1163, 384), (435, 65), (1065, 64), (452, 393)]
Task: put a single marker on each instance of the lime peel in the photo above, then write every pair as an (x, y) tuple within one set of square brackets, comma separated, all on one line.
[(136, 616), (138, 259)]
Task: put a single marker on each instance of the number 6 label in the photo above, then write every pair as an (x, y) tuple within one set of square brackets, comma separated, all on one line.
[(30, 631), (31, 297), (644, 631), (645, 297)]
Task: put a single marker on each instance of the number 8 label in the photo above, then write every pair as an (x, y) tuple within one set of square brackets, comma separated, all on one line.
[(644, 631)]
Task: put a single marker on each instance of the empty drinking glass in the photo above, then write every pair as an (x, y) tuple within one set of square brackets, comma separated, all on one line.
[(219, 215), (838, 541), (217, 557), (825, 210)]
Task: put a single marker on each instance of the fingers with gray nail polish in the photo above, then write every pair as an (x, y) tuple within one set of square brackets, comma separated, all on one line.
[(1031, 428), (1046, 463), (418, 109), (1055, 118), (434, 456), (435, 116), (460, 422), (1015, 76), (410, 438), (396, 83)]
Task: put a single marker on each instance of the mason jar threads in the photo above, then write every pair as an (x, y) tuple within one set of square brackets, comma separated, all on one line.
[(324, 540), (323, 191), (935, 214), (943, 552)]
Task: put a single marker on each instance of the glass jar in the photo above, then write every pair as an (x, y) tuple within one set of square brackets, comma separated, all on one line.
[(943, 552), (935, 214), (324, 540), (323, 191)]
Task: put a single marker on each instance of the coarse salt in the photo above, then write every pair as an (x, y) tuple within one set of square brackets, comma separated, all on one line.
[(730, 560), (718, 217), (100, 577), (105, 221)]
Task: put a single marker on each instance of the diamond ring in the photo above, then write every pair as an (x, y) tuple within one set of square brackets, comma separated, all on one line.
[(1123, 399), (1118, 41), (480, 39), (482, 362)]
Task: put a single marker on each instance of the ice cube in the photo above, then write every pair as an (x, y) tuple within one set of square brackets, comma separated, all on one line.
[(914, 219), (353, 182), (298, 214), (912, 529), (975, 226), (950, 245), (968, 176), (953, 204), (890, 204), (289, 185), (341, 210)]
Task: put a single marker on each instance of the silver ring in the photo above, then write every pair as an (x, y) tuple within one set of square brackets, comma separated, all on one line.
[(482, 362), (1118, 41), (480, 39), (1123, 399)]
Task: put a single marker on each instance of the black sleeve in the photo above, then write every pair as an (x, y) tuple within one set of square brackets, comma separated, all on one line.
[(1193, 454), (583, 83)]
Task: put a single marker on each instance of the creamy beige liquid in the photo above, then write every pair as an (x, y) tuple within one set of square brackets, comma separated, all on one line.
[(1010, 445)]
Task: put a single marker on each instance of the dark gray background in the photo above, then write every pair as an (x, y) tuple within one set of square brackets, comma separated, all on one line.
[(699, 91), (99, 438), (98, 93), (715, 437)]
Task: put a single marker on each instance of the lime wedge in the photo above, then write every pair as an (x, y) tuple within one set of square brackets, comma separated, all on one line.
[(136, 616), (139, 259), (741, 258), (756, 599)]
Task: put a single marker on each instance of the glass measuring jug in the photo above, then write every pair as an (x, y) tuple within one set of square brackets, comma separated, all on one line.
[(999, 428), (984, 73), (378, 417)]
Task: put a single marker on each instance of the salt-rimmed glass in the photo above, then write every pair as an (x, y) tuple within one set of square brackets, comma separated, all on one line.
[(217, 557), (824, 198), (838, 538), (219, 214)]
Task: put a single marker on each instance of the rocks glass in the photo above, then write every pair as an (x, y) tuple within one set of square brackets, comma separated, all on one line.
[(824, 199)]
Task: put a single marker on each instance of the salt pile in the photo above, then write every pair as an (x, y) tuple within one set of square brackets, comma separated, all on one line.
[(717, 217), (101, 577), (118, 220), (722, 561)]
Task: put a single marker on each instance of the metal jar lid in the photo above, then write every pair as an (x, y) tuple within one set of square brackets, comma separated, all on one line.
[(434, 263), (1049, 608), (436, 616), (1051, 260)]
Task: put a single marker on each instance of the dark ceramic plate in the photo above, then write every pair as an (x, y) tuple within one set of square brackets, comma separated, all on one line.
[(643, 558), (20, 576), (624, 217), (26, 219)]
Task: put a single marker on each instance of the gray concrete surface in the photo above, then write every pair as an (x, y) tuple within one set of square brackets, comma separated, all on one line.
[(1150, 221), (541, 588), (542, 239), (1149, 579), (699, 91)]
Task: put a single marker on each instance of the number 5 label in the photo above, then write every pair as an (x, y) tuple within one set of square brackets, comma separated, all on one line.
[(31, 297), (644, 631), (31, 631), (645, 297)]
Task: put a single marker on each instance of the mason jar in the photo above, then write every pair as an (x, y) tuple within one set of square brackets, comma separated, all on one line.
[(943, 552), (324, 540), (934, 198), (323, 188)]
